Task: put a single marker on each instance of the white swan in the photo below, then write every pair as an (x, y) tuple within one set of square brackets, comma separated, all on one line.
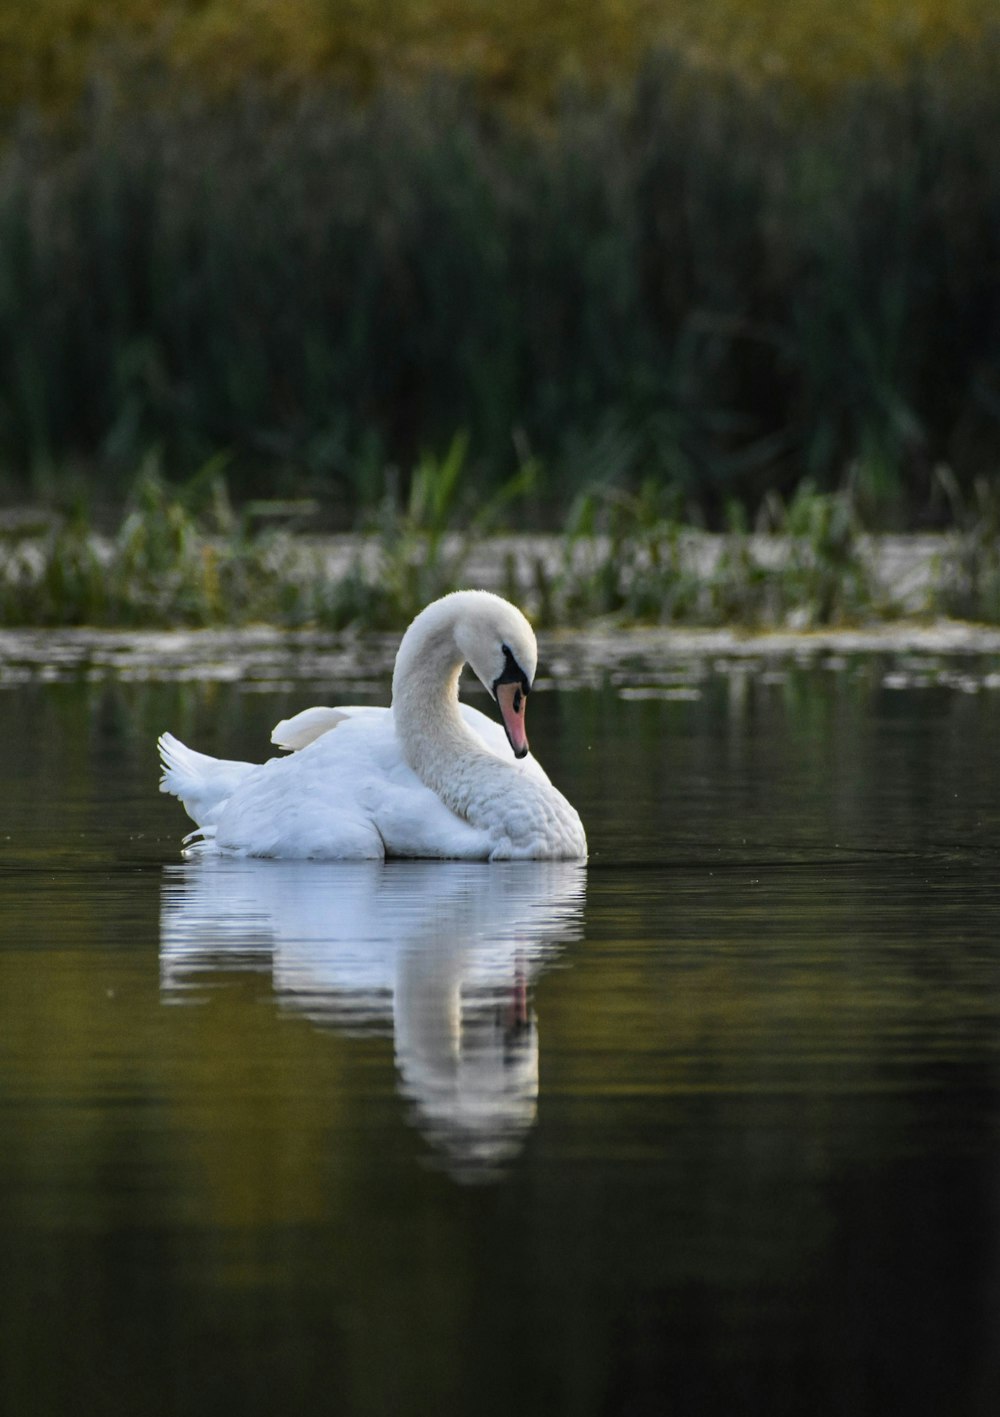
[(428, 777)]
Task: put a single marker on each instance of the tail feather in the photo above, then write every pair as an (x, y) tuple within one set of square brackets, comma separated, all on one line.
[(202, 783)]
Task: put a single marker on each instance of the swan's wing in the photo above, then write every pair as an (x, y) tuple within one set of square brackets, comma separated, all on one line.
[(347, 795), (304, 728), (297, 807), (312, 723)]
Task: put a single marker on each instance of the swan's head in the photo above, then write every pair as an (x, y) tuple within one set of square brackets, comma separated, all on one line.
[(499, 646), (477, 628)]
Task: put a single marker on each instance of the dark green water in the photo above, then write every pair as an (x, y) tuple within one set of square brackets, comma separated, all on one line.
[(712, 1127)]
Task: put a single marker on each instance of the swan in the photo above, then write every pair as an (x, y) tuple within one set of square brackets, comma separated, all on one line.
[(426, 777)]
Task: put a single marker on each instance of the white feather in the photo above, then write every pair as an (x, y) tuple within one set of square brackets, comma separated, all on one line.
[(305, 727)]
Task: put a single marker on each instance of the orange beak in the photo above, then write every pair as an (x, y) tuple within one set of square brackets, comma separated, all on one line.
[(512, 700)]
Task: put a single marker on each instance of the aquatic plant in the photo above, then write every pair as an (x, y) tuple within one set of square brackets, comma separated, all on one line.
[(631, 557), (967, 584), (623, 555), (415, 548), (177, 557), (190, 557), (824, 576)]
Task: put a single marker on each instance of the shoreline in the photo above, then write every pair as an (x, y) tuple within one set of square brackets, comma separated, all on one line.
[(266, 657)]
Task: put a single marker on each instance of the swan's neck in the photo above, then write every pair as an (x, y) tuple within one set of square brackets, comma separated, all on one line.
[(435, 740)]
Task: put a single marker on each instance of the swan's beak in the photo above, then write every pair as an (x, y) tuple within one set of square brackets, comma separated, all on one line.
[(512, 700)]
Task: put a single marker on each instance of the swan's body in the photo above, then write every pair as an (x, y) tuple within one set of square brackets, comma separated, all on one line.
[(428, 777)]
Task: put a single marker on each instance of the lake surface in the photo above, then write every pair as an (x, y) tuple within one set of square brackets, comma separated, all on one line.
[(710, 1127)]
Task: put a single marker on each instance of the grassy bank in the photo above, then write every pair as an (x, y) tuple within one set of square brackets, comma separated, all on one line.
[(672, 276), (622, 558)]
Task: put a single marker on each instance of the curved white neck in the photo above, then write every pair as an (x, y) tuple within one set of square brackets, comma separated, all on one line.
[(436, 742)]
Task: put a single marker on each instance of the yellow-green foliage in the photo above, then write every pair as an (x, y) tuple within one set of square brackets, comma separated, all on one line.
[(211, 247), (522, 50)]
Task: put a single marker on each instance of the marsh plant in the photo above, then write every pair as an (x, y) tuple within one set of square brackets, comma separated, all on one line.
[(624, 555), (415, 547), (630, 557), (968, 579), (191, 557), (177, 558), (824, 576), (188, 556)]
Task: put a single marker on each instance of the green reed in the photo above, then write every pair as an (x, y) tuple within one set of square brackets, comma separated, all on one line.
[(968, 581), (189, 557), (174, 559)]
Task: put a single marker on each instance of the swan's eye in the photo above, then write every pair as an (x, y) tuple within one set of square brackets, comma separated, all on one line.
[(512, 674)]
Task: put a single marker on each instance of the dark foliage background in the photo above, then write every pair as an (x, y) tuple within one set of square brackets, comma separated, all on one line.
[(707, 286)]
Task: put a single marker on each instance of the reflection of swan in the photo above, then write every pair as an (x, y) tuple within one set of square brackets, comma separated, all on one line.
[(424, 778), (442, 955)]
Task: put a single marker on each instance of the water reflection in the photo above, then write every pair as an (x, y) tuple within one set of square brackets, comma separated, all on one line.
[(443, 955)]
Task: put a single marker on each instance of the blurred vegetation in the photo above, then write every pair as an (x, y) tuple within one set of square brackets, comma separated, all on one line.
[(804, 564), (969, 573), (524, 51), (188, 558), (721, 248)]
